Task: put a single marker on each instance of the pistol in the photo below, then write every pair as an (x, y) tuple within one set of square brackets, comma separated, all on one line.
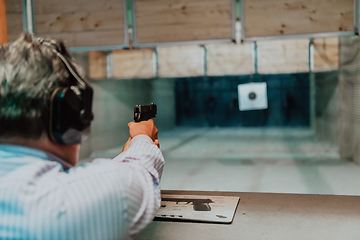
[(198, 204), (144, 112)]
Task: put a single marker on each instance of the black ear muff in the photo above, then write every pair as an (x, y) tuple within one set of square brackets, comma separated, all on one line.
[(68, 123), (70, 107)]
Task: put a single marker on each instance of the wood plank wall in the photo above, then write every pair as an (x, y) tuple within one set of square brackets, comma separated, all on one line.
[(137, 63), (98, 64), (160, 21), (81, 23), (14, 19), (289, 17), (283, 56), (181, 61), (326, 54), (230, 59)]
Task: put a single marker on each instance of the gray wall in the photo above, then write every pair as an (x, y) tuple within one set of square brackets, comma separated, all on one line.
[(113, 106), (326, 106), (349, 98)]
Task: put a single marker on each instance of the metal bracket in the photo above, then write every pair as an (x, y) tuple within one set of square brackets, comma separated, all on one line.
[(205, 60), (256, 71), (311, 55), (28, 16), (156, 62)]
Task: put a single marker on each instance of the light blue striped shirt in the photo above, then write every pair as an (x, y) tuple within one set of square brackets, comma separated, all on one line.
[(40, 198)]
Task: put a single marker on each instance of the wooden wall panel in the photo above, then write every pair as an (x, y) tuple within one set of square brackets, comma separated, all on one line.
[(14, 6), (133, 63), (81, 23), (326, 54), (14, 19), (230, 59), (70, 6), (289, 17), (159, 21), (78, 21), (283, 56), (97, 64), (88, 39), (181, 61)]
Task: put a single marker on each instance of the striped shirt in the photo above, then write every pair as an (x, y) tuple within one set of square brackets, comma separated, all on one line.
[(42, 198)]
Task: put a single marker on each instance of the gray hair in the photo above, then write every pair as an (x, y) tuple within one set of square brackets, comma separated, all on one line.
[(29, 73)]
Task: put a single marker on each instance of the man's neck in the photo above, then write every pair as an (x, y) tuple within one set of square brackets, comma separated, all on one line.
[(68, 153)]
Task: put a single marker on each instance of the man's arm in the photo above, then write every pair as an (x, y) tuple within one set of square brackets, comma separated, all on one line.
[(147, 162), (142, 153)]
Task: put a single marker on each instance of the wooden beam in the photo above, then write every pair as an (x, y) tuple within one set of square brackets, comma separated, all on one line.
[(159, 21), (97, 64), (181, 61), (230, 59), (291, 17), (283, 56), (137, 63), (326, 54), (3, 27)]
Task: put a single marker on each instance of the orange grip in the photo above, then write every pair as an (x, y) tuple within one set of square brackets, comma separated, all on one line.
[(3, 28)]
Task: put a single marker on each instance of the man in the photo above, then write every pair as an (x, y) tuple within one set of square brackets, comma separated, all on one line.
[(45, 112)]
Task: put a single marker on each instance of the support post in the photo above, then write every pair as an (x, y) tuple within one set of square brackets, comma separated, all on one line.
[(3, 26)]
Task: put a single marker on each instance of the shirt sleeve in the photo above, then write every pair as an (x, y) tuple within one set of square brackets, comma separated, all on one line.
[(145, 162), (144, 196), (123, 192)]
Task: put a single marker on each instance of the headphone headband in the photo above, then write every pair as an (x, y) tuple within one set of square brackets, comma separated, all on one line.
[(56, 49)]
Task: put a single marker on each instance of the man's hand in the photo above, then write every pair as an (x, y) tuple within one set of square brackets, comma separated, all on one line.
[(144, 127)]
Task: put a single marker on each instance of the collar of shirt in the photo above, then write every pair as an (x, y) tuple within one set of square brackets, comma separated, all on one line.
[(15, 151)]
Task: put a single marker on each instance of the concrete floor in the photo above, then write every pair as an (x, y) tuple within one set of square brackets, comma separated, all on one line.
[(252, 160)]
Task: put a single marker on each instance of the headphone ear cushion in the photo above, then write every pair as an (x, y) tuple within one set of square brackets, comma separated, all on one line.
[(66, 125)]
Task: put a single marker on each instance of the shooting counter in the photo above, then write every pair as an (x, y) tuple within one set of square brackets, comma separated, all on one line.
[(270, 216)]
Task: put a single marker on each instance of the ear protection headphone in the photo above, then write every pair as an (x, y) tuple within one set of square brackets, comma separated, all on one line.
[(70, 107)]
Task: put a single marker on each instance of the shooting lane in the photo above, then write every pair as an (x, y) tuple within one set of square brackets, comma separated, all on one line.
[(189, 57), (262, 215)]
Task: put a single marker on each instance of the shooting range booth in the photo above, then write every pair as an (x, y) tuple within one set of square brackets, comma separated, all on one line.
[(257, 100)]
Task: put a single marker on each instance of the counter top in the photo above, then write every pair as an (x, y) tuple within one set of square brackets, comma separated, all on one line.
[(270, 216)]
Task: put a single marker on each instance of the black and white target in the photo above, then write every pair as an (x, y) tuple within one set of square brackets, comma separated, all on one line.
[(252, 96)]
